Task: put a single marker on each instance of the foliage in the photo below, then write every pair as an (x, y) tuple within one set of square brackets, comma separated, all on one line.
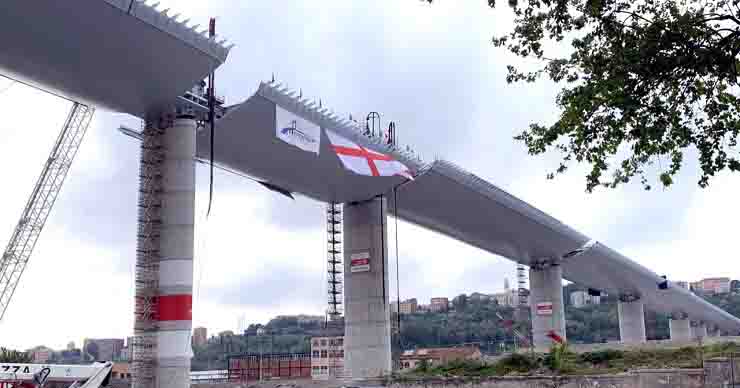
[(423, 366), (516, 363), (512, 364), (10, 355), (600, 356), (476, 322), (644, 82), (558, 358), (561, 361)]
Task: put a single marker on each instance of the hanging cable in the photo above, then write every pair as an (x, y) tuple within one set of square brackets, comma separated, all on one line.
[(398, 271), (382, 248), (211, 114)]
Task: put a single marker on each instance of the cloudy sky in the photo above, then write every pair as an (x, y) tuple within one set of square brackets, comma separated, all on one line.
[(432, 70)]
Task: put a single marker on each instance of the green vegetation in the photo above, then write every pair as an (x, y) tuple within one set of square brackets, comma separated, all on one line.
[(473, 320), (560, 361), (10, 355), (644, 84)]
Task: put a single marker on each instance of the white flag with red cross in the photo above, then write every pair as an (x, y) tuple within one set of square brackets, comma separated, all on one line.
[(360, 160)]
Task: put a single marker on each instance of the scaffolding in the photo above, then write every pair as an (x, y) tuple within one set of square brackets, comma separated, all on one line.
[(521, 280), (147, 257), (39, 205), (334, 266)]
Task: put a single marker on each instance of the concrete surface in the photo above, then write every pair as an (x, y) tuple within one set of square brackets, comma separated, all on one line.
[(631, 321), (174, 348), (680, 329), (546, 287), (698, 330), (367, 329)]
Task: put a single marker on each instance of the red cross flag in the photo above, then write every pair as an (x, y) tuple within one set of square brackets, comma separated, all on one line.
[(360, 160), (555, 337)]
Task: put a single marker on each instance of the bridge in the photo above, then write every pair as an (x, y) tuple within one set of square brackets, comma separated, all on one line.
[(129, 57)]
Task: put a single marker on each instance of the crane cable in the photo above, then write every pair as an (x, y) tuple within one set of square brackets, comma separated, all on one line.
[(398, 276), (382, 249), (211, 115)]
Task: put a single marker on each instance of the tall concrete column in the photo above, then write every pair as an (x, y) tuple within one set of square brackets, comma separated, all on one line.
[(164, 266), (698, 330), (174, 305), (680, 327), (546, 303), (367, 329), (631, 312), (713, 331)]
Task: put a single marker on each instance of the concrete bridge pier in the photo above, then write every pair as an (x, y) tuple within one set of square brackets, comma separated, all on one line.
[(367, 329), (698, 330), (713, 331), (631, 312), (680, 327), (164, 264), (546, 303)]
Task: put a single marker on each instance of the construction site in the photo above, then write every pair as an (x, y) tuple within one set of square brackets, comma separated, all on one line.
[(292, 146)]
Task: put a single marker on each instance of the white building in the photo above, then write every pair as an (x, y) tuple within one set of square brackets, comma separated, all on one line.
[(582, 298), (327, 358)]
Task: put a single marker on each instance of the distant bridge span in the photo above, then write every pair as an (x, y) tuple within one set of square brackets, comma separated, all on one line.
[(443, 198)]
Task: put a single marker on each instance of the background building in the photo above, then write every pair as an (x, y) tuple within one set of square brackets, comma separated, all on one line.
[(106, 349), (478, 296), (437, 356), (40, 354), (682, 284), (409, 306), (327, 357), (583, 298), (439, 305), (714, 285), (269, 366), (510, 298), (200, 336)]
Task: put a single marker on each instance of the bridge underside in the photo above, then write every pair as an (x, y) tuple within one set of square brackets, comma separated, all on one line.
[(119, 54)]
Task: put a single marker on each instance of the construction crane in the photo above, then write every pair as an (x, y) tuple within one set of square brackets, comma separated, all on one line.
[(96, 375), (34, 216)]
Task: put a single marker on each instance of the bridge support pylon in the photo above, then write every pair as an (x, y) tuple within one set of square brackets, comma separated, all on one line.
[(367, 329), (164, 262), (631, 312), (713, 331), (698, 330), (680, 327), (546, 303)]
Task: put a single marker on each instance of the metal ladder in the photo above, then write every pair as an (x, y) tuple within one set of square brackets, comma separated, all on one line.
[(39, 205)]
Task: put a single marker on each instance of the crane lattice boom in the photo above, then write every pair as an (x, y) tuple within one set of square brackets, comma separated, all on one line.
[(42, 199)]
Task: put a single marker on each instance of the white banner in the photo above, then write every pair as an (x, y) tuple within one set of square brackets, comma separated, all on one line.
[(544, 308), (297, 131), (359, 262)]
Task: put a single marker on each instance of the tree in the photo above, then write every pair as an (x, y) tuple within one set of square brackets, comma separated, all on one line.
[(460, 302), (644, 81), (14, 356)]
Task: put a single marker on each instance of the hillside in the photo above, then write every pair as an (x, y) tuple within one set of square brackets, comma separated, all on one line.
[(469, 321)]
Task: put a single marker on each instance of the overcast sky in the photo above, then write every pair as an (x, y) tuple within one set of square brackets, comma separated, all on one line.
[(432, 70)]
